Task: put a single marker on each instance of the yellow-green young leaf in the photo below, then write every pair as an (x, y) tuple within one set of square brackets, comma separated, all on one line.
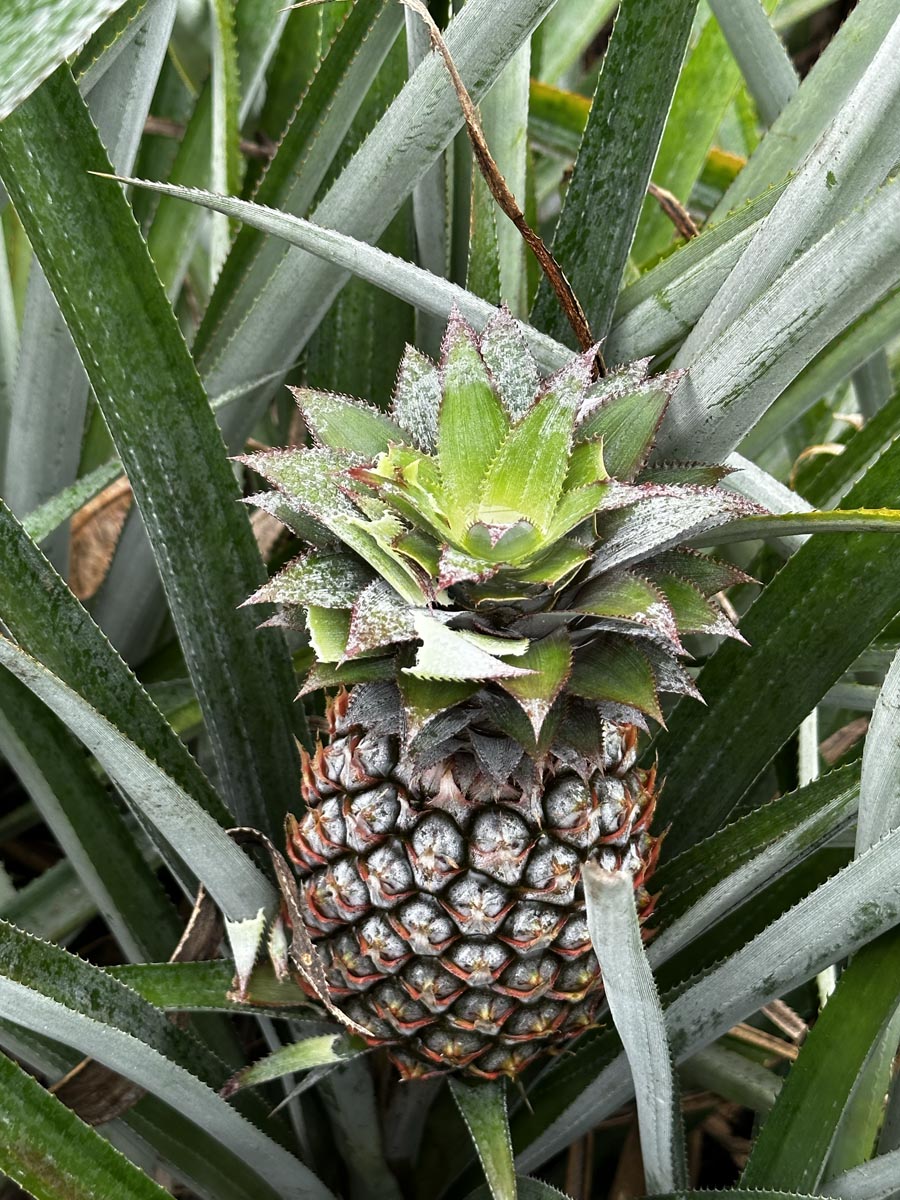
[(425, 698), (51, 1153), (616, 670), (471, 422), (326, 675), (329, 629), (345, 424), (526, 477), (586, 465), (321, 1051), (627, 424), (562, 558)]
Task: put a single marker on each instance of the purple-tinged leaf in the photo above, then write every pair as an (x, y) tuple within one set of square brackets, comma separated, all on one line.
[(661, 521), (709, 575), (378, 618), (458, 567), (342, 423), (688, 474), (361, 670), (621, 594), (550, 659), (417, 399), (329, 629), (693, 612), (326, 580), (628, 424)]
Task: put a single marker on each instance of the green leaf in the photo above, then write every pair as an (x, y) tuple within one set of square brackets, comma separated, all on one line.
[(483, 1108), (225, 163), (567, 32), (345, 424), (873, 1180), (829, 923), (35, 40), (53, 906), (308, 146), (627, 423), (807, 627), (158, 414), (634, 1004), (45, 989), (597, 224), (616, 670), (793, 1144), (471, 423), (85, 822), (820, 99), (736, 377), (526, 476), (706, 87), (550, 658), (621, 594), (303, 1055), (760, 53), (879, 802), (841, 520), (852, 157), (237, 886), (702, 885), (50, 1153), (397, 277), (659, 309), (287, 303)]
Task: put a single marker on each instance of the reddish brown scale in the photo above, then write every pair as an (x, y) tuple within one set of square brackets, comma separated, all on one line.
[(448, 909)]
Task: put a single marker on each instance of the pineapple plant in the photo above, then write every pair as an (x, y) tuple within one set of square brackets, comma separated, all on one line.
[(498, 574), (495, 900)]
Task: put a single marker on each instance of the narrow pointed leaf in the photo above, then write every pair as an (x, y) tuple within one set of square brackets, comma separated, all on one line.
[(841, 520), (322, 1051), (471, 424), (638, 1016), (617, 671), (527, 475), (49, 1152), (231, 878), (504, 349), (879, 803), (345, 424), (617, 152), (483, 1108), (550, 658), (327, 580), (793, 1144), (627, 424), (446, 654), (621, 594), (47, 990), (417, 399), (160, 418)]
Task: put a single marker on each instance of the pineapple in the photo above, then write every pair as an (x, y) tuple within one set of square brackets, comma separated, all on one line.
[(496, 591)]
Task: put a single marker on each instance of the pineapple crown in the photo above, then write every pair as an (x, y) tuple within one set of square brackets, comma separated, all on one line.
[(500, 538)]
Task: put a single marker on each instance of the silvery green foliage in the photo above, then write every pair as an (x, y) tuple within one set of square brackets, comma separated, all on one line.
[(752, 368)]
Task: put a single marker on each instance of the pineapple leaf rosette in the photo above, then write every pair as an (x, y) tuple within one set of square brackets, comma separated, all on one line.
[(496, 592)]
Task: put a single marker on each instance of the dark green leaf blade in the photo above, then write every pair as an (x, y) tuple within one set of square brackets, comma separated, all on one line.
[(166, 435), (613, 167), (51, 1153)]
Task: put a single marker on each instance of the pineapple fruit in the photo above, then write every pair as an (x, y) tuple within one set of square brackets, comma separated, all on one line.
[(496, 591)]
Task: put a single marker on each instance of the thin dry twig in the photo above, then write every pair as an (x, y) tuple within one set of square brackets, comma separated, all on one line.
[(764, 1041), (784, 1018), (500, 191), (163, 127), (674, 210)]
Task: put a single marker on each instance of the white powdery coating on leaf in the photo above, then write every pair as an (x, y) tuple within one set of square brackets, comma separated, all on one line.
[(379, 617), (511, 364), (417, 399), (325, 580)]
